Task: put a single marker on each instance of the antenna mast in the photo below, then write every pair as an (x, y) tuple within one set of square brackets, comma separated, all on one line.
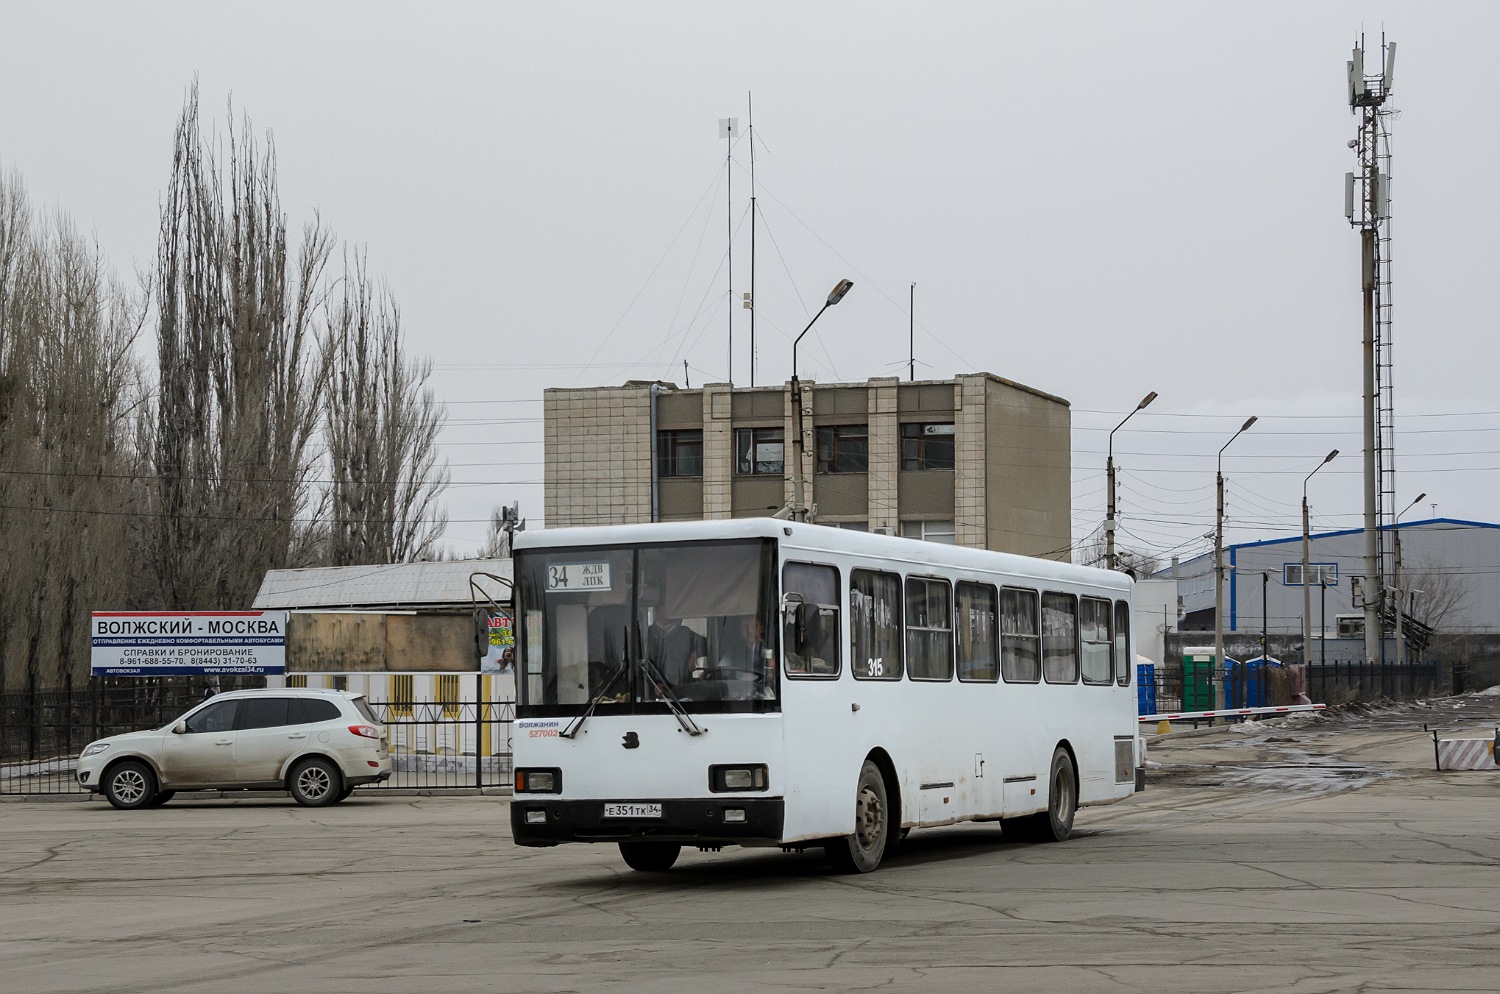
[(750, 297), (729, 127), (1367, 204), (911, 332)]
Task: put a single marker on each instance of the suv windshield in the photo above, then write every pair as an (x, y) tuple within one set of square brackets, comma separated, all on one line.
[(642, 625)]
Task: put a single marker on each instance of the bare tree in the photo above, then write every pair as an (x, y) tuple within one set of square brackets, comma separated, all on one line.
[(1437, 597), (69, 388), (380, 427), (239, 374)]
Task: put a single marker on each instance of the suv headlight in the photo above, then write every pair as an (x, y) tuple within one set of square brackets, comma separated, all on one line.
[(94, 749)]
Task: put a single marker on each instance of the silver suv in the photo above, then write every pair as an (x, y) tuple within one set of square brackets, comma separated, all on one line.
[(318, 745)]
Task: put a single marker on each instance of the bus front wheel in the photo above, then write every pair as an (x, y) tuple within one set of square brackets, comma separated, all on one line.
[(863, 851), (650, 857)]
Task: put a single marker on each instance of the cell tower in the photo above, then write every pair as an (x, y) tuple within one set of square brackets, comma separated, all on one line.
[(1367, 204)]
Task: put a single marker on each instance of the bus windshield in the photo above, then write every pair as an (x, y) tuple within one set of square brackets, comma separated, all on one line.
[(639, 626)]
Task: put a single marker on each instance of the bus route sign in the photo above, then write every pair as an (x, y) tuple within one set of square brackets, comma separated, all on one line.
[(573, 577), (171, 643)]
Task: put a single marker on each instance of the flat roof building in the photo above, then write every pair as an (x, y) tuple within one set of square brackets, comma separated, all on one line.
[(978, 461)]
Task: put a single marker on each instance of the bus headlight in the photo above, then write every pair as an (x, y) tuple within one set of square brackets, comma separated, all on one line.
[(737, 777), (542, 781)]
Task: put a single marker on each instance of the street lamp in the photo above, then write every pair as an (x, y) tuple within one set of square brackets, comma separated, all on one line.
[(1306, 543), (1400, 595), (1219, 562), (1109, 522), (799, 510)]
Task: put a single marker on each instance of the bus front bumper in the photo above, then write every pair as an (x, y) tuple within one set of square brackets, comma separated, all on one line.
[(706, 821)]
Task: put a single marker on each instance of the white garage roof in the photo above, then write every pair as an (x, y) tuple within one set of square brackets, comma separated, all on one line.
[(393, 586)]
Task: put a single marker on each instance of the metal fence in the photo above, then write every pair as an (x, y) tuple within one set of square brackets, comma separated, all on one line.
[(1178, 687), (434, 744)]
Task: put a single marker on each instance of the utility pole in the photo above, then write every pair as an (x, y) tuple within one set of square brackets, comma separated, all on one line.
[(1219, 568), (1109, 466), (799, 508)]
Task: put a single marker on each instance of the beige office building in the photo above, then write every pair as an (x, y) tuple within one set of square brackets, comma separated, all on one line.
[(978, 460)]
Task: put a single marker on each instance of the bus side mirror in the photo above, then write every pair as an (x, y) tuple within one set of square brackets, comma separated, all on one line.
[(794, 620), (481, 633)]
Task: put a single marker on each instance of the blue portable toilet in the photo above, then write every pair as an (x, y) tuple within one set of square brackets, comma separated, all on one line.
[(1145, 687), (1249, 682)]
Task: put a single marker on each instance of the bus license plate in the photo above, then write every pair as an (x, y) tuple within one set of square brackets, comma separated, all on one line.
[(632, 811)]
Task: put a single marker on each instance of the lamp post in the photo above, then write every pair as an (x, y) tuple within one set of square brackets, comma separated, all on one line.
[(799, 510), (1109, 521), (1219, 563), (1306, 543), (1400, 595)]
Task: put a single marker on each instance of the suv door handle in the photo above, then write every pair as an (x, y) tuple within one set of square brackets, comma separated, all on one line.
[(297, 735), (224, 742)]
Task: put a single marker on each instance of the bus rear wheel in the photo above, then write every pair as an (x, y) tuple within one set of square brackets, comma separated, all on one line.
[(863, 851), (1056, 823), (650, 857)]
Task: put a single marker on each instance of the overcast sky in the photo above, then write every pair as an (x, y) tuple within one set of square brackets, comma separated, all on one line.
[(1094, 199)]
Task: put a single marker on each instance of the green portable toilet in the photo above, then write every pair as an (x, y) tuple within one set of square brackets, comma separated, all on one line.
[(1197, 680)]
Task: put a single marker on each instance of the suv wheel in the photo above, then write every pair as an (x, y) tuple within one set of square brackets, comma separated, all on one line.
[(130, 785), (315, 782)]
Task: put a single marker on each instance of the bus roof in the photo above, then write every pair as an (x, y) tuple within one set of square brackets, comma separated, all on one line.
[(822, 538)]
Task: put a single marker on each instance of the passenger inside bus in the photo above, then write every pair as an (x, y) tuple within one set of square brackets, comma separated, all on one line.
[(743, 659), (675, 649)]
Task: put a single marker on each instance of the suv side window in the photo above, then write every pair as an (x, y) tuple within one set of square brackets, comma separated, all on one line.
[(309, 710), (262, 712), (217, 717)]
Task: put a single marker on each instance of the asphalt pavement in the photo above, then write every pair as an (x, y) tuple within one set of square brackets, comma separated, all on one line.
[(1321, 854)]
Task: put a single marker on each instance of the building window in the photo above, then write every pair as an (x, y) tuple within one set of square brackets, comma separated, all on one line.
[(929, 531), (759, 451), (679, 453), (927, 446), (852, 526), (449, 695), (402, 691), (1318, 574), (843, 449)]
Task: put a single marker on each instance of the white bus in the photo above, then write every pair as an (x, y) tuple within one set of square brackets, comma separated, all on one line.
[(759, 682)]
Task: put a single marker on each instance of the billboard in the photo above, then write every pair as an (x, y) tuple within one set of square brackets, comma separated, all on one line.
[(169, 643)]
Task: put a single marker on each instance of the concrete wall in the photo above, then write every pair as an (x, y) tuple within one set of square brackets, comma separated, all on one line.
[(339, 642), (597, 446), (1028, 466)]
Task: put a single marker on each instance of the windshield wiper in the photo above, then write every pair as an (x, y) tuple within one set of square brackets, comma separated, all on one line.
[(664, 688), (576, 724)]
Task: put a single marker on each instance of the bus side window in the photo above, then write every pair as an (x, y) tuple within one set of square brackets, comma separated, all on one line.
[(1020, 638), (1097, 642), (1060, 638), (1123, 662), (929, 629), (810, 620), (978, 651), (875, 620)]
